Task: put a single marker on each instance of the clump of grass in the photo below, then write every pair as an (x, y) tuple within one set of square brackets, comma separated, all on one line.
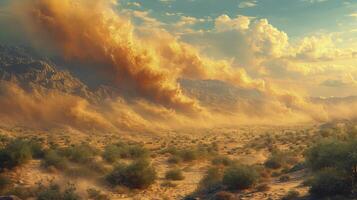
[(114, 152), (81, 153), (138, 175), (278, 159), (222, 160), (191, 154), (212, 180), (238, 177)]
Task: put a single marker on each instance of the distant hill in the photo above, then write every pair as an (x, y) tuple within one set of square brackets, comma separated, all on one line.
[(21, 66)]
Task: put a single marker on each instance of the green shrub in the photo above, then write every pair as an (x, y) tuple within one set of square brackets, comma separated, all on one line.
[(53, 158), (240, 177), (174, 174), (212, 180), (140, 175), (277, 159), (136, 151), (54, 192), (330, 182), (114, 152), (329, 153), (188, 155), (222, 160), (82, 153), (15, 153), (111, 153)]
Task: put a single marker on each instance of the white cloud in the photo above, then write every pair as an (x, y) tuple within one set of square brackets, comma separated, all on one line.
[(247, 4)]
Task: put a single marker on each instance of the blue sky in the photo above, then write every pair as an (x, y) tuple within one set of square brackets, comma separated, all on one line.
[(295, 17)]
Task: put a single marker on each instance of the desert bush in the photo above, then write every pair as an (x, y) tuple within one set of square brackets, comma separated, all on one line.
[(191, 154), (54, 192), (188, 155), (117, 151), (174, 174), (240, 177), (81, 153), (54, 159), (36, 149), (15, 153), (136, 151), (140, 175), (222, 160), (334, 164), (278, 159), (330, 182), (328, 153), (111, 153), (212, 180)]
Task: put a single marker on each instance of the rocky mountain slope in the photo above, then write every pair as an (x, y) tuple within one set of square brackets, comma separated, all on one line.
[(35, 72)]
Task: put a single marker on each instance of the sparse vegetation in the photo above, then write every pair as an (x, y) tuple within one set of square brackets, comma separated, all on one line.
[(278, 159), (240, 177), (212, 180), (81, 153), (222, 160), (334, 164), (54, 159), (15, 153), (174, 174), (114, 152), (140, 175), (54, 192)]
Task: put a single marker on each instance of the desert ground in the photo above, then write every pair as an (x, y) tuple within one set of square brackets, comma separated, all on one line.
[(249, 145)]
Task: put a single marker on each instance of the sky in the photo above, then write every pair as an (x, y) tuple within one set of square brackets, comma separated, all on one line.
[(313, 43), (308, 46)]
